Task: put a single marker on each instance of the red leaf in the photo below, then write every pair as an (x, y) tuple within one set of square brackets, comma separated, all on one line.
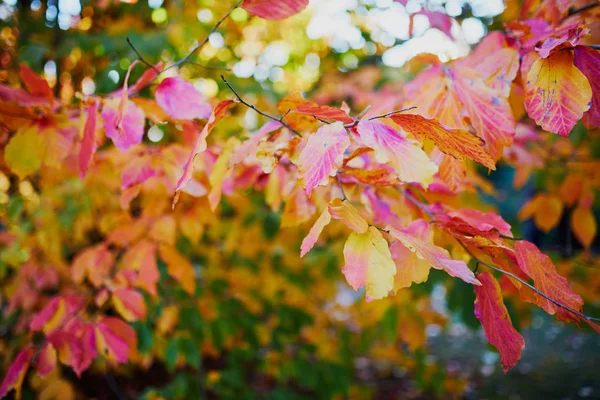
[(587, 61), (35, 85), (274, 9), (326, 113), (493, 315), (540, 268), (129, 303)]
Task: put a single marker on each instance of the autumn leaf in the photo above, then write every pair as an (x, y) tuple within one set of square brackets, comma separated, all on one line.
[(587, 60), (557, 93), (545, 209), (324, 151), (369, 263), (179, 267), (327, 113), (584, 225), (115, 339), (313, 235), (452, 171), (455, 142), (493, 315), (410, 268), (88, 143), (540, 268), (16, 373), (25, 152), (138, 171), (344, 211), (409, 161), (181, 100), (437, 257), (274, 9), (129, 303), (200, 143)]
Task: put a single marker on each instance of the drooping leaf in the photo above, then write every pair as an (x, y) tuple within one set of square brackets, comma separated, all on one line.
[(410, 268), (455, 142), (493, 315), (369, 263), (327, 113), (344, 211), (557, 93), (438, 257), (587, 61), (322, 154), (16, 373), (540, 268), (313, 235), (88, 143), (181, 100), (274, 9), (179, 267), (115, 339), (129, 303), (25, 151), (584, 225), (409, 161), (200, 143), (452, 171), (125, 129)]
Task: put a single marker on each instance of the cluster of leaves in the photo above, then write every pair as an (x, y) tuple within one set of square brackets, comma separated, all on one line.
[(123, 253)]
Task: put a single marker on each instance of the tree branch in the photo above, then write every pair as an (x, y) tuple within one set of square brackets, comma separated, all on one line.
[(479, 261), (264, 114), (574, 11), (392, 113)]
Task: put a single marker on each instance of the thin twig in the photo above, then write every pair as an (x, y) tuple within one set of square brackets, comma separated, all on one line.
[(186, 59), (141, 58), (416, 202), (593, 46), (478, 260), (363, 113), (574, 11), (392, 113), (264, 114), (203, 42)]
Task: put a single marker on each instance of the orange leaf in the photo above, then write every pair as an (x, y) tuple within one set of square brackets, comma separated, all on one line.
[(326, 113), (179, 268), (455, 142), (557, 93), (584, 225), (540, 268), (452, 172)]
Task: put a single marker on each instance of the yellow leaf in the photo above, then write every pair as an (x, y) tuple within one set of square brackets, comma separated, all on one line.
[(25, 152)]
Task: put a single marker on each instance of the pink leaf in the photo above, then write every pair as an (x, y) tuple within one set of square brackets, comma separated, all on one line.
[(115, 339), (180, 99), (438, 257), (16, 373), (587, 61), (125, 131), (409, 161), (482, 221), (244, 150), (138, 171), (274, 9), (325, 149)]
